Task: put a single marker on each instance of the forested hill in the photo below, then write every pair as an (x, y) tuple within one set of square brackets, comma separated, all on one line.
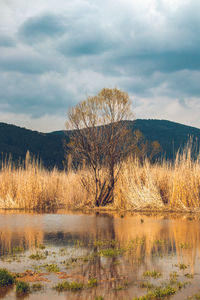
[(16, 141)]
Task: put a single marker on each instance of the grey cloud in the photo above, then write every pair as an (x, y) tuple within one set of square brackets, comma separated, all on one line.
[(25, 65), (26, 60), (6, 41), (94, 45), (37, 28), (84, 45), (33, 95)]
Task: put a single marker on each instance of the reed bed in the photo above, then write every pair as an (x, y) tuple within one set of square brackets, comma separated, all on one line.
[(140, 186)]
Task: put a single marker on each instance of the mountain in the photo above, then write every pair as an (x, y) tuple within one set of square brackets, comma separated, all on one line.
[(16, 141)]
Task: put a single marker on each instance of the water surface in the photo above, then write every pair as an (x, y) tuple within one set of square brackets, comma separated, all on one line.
[(117, 251)]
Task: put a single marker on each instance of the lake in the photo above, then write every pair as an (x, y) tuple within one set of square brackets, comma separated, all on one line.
[(106, 256)]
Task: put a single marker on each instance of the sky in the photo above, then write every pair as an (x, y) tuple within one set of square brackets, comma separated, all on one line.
[(56, 53)]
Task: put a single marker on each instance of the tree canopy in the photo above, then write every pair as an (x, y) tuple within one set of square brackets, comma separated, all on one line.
[(101, 139)]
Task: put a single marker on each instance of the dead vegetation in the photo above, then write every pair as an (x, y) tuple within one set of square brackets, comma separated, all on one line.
[(144, 185)]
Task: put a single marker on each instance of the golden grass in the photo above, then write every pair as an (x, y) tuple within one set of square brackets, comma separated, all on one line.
[(140, 186)]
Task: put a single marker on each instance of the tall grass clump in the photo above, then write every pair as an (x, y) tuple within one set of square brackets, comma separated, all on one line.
[(31, 186), (5, 278), (163, 185), (140, 185)]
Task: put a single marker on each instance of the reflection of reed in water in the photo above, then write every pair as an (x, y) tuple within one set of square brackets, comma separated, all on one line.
[(28, 238), (4, 291), (160, 236), (144, 238)]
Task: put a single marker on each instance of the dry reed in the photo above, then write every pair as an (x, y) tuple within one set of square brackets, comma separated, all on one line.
[(140, 186)]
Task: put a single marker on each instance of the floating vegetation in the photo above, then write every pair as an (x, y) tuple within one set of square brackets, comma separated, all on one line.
[(122, 286), (38, 256), (17, 249), (52, 268), (146, 285), (158, 293), (181, 266), (111, 252), (22, 287), (194, 297), (137, 260), (185, 245), (104, 243), (154, 274), (41, 246), (37, 287), (5, 278), (190, 276), (69, 286), (92, 282)]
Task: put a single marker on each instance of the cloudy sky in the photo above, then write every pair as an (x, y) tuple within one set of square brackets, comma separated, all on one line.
[(55, 53)]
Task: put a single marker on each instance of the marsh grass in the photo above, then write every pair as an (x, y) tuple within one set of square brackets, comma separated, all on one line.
[(158, 186), (69, 286), (22, 287), (5, 278), (53, 268)]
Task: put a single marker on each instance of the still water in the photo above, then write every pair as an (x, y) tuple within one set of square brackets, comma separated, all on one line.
[(113, 256)]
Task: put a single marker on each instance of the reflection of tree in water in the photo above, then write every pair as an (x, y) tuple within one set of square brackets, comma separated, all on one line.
[(147, 240), (107, 270)]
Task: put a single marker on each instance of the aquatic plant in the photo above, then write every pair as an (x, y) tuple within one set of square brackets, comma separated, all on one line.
[(5, 278), (37, 256), (111, 252), (154, 274), (146, 285), (37, 287), (41, 246), (69, 286), (157, 293), (52, 268), (92, 282), (194, 297), (181, 266), (17, 249), (22, 287), (185, 245)]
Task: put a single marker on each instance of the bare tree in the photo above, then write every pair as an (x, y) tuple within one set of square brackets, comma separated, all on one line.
[(99, 137)]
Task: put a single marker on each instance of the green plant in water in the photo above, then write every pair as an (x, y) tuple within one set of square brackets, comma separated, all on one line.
[(185, 246), (158, 293), (146, 285), (52, 268), (154, 274), (22, 287), (69, 286), (5, 278), (111, 252), (122, 286), (17, 249), (104, 243), (191, 276), (173, 277), (37, 287), (37, 256), (92, 282), (181, 266), (194, 297), (41, 246)]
